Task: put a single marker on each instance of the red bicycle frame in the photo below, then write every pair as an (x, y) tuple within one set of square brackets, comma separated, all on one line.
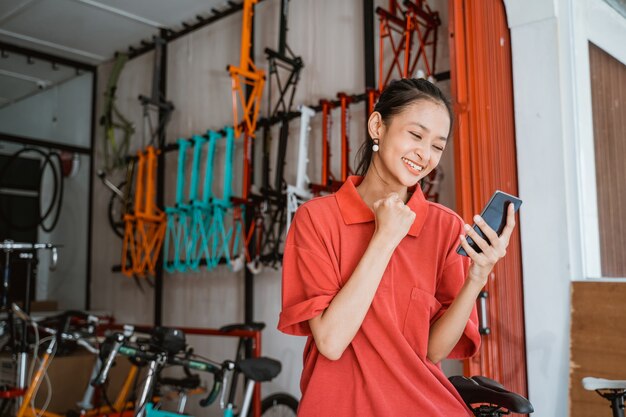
[(327, 123), (345, 101), (402, 29)]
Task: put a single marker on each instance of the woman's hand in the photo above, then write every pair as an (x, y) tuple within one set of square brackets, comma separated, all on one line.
[(483, 263), (393, 219)]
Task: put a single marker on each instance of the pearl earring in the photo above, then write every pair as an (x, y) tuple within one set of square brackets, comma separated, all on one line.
[(375, 146)]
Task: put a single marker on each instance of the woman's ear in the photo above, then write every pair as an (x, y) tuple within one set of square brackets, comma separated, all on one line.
[(375, 125)]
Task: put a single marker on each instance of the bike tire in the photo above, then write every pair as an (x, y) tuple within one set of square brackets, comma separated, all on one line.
[(279, 405)]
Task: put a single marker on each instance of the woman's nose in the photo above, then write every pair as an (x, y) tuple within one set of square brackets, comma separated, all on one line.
[(423, 153)]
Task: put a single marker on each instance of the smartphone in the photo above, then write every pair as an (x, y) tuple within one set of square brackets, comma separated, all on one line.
[(494, 214)]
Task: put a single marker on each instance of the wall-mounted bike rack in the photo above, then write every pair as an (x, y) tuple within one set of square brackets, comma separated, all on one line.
[(169, 35)]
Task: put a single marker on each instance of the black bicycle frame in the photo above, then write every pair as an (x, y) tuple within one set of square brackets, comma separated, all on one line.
[(156, 99), (274, 198)]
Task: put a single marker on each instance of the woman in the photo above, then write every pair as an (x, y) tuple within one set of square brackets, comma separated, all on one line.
[(372, 277)]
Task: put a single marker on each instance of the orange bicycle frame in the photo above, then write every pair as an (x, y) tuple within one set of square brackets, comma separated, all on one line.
[(246, 74), (145, 228)]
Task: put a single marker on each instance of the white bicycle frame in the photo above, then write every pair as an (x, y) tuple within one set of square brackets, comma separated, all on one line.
[(299, 193)]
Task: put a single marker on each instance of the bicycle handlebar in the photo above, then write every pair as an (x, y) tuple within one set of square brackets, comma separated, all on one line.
[(75, 336), (217, 371), (217, 387)]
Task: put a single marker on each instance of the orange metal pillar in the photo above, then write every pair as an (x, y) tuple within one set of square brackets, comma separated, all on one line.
[(485, 160)]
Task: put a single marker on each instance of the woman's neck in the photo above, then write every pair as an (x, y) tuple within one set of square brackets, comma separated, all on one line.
[(374, 187)]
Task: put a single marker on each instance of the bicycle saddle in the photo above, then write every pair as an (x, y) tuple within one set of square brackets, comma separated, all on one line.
[(479, 389), (254, 326), (259, 369), (593, 384)]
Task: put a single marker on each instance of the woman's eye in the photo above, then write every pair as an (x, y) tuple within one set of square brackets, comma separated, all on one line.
[(439, 148), (416, 136)]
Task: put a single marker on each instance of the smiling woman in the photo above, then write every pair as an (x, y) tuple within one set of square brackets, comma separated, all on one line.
[(372, 277), (398, 97)]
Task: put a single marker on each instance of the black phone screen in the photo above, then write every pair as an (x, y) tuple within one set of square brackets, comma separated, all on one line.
[(494, 215)]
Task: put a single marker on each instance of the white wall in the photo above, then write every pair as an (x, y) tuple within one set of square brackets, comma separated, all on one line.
[(61, 114), (556, 174)]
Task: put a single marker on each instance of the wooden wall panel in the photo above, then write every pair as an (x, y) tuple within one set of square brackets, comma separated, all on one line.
[(608, 91), (598, 341)]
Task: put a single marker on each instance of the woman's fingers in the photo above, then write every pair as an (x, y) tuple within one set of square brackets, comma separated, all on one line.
[(491, 234), (482, 243), (494, 246), (510, 224), (468, 248)]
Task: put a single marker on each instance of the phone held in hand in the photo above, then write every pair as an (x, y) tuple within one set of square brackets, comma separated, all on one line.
[(494, 214)]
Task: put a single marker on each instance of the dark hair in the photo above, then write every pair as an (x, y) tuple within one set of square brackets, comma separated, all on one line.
[(396, 97)]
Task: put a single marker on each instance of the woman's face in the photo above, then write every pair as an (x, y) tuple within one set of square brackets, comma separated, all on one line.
[(412, 143)]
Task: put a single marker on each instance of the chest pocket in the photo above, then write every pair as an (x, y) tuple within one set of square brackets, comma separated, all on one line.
[(422, 307)]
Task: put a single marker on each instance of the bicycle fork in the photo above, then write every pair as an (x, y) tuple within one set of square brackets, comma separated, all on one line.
[(140, 410)]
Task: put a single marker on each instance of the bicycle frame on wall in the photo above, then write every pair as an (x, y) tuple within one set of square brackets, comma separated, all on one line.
[(145, 227), (401, 30), (296, 194)]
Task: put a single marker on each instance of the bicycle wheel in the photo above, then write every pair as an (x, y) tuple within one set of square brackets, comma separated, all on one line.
[(279, 405)]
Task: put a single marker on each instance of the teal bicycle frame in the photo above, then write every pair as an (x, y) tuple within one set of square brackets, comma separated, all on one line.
[(177, 230), (196, 227), (210, 238)]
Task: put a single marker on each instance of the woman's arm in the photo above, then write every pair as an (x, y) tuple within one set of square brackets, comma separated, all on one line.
[(448, 329), (334, 329), (446, 332)]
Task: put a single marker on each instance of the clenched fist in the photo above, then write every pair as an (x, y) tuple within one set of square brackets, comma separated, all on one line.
[(393, 218)]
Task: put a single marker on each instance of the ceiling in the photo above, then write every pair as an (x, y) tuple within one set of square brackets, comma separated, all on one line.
[(87, 31)]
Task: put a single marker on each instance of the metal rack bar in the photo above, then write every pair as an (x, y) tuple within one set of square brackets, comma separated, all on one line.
[(170, 35), (53, 59), (160, 197)]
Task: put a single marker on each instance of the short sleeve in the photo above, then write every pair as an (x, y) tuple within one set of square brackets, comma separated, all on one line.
[(449, 285), (309, 280)]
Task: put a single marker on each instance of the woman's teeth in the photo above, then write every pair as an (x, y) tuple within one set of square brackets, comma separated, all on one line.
[(412, 165)]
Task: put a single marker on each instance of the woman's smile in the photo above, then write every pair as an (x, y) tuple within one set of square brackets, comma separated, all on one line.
[(412, 166)]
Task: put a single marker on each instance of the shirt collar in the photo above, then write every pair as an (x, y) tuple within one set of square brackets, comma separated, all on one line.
[(354, 210)]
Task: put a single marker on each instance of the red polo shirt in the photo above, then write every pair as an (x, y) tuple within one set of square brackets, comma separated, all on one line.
[(384, 371)]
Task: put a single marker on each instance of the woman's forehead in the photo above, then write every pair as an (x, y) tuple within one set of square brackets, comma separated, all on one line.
[(425, 114)]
